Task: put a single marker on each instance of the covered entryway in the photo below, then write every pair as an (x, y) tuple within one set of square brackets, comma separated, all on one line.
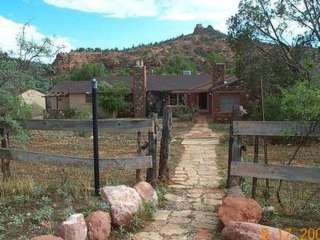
[(203, 102)]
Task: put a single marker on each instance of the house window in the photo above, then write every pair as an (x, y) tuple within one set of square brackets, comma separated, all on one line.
[(227, 103), (182, 99), (173, 99), (177, 99)]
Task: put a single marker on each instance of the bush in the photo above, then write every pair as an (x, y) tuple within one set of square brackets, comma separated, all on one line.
[(73, 113), (301, 102), (113, 99), (297, 103), (183, 113)]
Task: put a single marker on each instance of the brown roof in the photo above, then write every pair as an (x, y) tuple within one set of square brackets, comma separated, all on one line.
[(72, 87), (177, 82), (196, 83)]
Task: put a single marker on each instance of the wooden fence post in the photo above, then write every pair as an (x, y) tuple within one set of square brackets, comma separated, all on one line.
[(155, 132), (165, 144), (234, 149), (151, 172), (255, 160), (5, 163), (230, 153), (139, 151)]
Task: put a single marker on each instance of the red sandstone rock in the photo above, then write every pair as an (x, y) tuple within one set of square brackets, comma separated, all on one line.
[(125, 203), (46, 237), (239, 209), (204, 40), (99, 225), (252, 231), (74, 228), (146, 192)]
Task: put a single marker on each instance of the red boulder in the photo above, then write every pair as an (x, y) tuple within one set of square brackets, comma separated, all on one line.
[(239, 209), (252, 231), (99, 225), (74, 228), (146, 192)]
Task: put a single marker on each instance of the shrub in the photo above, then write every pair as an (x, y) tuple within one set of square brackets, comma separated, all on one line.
[(113, 98), (72, 113)]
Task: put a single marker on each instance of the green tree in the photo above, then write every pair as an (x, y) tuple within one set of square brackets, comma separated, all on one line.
[(267, 48), (176, 64), (19, 71), (113, 98), (301, 102), (88, 72)]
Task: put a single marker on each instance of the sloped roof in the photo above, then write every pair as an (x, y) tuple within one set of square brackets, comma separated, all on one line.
[(177, 83), (201, 82), (72, 87)]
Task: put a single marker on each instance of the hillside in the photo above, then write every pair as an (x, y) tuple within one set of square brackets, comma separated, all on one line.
[(196, 49)]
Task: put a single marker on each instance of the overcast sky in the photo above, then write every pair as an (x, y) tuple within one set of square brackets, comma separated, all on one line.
[(108, 23)]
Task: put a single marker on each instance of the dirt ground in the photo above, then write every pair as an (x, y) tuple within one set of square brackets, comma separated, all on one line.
[(39, 196)]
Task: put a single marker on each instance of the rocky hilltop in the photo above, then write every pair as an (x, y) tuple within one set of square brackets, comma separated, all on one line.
[(196, 47)]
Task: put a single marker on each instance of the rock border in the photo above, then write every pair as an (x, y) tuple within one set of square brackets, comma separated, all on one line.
[(97, 226), (239, 218)]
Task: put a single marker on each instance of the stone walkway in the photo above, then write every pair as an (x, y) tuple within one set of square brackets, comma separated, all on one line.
[(193, 196)]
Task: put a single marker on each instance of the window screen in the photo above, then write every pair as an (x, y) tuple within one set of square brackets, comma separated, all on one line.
[(227, 103)]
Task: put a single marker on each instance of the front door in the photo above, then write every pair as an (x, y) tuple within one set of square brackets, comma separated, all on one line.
[(203, 101)]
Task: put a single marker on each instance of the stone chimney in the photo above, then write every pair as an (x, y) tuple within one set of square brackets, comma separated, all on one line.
[(219, 72), (139, 89)]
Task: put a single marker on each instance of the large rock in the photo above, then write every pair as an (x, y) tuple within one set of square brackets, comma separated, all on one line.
[(125, 203), (99, 225), (252, 231), (239, 209), (74, 228), (46, 237), (146, 192)]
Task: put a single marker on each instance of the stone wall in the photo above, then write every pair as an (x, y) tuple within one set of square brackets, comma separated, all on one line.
[(139, 90), (219, 72)]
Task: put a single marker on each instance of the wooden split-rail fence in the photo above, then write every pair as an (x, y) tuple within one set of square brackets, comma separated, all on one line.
[(137, 162), (258, 169)]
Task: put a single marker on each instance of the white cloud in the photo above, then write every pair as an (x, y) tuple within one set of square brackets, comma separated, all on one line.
[(214, 11), (10, 30), (110, 8)]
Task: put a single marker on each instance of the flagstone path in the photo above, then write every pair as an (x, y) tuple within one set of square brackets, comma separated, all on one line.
[(193, 197)]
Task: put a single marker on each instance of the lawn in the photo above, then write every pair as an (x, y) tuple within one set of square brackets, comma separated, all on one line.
[(38, 196), (300, 208)]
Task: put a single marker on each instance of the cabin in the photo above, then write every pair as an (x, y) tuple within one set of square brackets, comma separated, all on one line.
[(210, 94), (214, 95)]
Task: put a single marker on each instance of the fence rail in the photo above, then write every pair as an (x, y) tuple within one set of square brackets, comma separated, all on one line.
[(136, 126), (260, 169), (275, 128), (112, 125), (127, 163), (276, 172)]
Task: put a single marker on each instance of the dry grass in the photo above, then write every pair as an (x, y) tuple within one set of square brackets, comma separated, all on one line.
[(38, 196)]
